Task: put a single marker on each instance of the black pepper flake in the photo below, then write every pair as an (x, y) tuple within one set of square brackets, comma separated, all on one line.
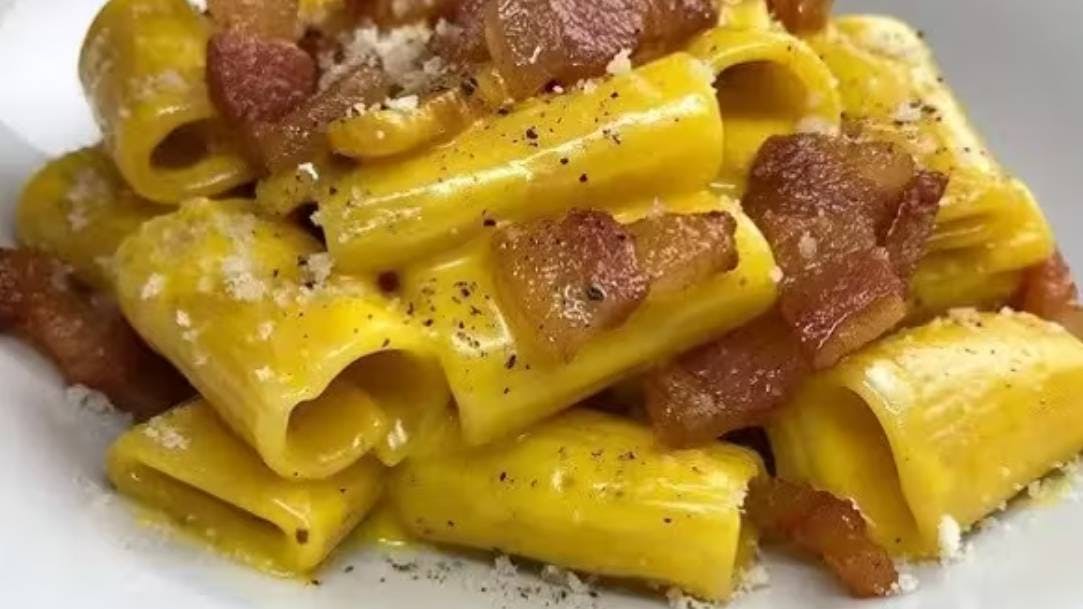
[(565, 161), (532, 134), (511, 361), (583, 178), (503, 110), (488, 222), (503, 476), (301, 535), (507, 390), (315, 582), (469, 86), (428, 323), (667, 520), (386, 343), (389, 281), (451, 524), (348, 569), (595, 293)]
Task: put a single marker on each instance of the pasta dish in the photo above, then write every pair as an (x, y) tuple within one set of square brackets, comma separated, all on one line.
[(627, 287)]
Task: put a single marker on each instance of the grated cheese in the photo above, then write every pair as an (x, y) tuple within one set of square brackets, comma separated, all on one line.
[(166, 435), (240, 282), (90, 400), (906, 584), (563, 577), (402, 52), (504, 567), (183, 320), (816, 124), (950, 538), (621, 63), (266, 329), (308, 169), (753, 578), (264, 374), (679, 600), (153, 286), (402, 104), (317, 268)]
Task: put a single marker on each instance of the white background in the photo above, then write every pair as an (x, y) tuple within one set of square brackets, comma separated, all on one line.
[(66, 542)]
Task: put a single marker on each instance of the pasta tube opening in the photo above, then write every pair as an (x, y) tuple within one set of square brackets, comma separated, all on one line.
[(230, 529), (292, 355), (184, 146), (861, 460), (382, 403), (768, 83), (186, 464), (939, 423), (142, 69)]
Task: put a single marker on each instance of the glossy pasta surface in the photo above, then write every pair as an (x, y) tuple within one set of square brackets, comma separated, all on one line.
[(678, 285)]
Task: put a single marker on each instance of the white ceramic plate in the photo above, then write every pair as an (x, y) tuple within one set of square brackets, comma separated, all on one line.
[(66, 541)]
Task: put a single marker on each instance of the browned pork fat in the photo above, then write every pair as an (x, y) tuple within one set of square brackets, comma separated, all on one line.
[(802, 16), (1049, 292), (840, 308), (254, 79), (820, 523), (536, 42), (85, 336), (301, 135), (732, 383), (680, 250), (261, 18), (565, 280), (847, 222), (461, 42)]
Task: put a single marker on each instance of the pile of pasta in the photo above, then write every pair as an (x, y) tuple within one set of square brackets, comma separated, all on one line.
[(521, 274)]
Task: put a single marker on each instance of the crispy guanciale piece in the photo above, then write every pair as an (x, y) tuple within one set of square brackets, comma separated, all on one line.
[(1049, 292), (253, 79), (914, 221), (85, 336), (565, 280), (535, 42), (848, 222), (837, 309), (461, 42), (262, 18), (680, 250), (820, 523), (732, 383), (802, 16), (301, 135)]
